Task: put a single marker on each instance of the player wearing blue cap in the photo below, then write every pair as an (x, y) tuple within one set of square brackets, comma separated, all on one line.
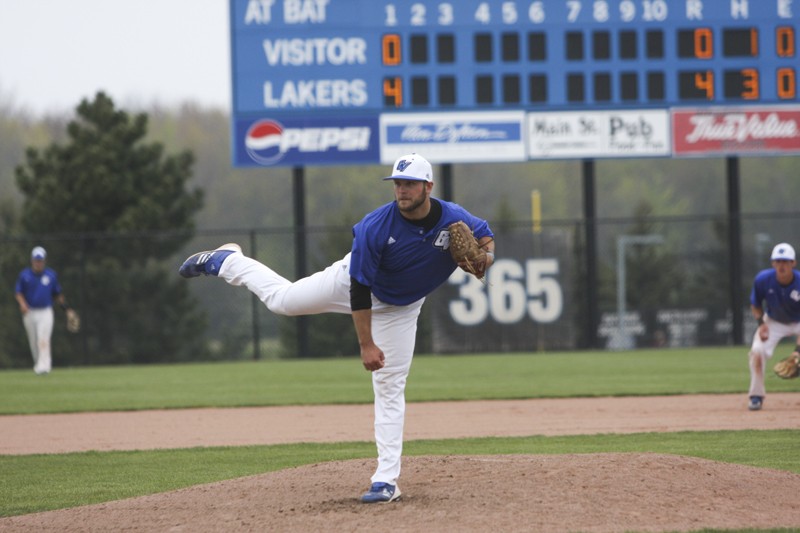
[(37, 286), (775, 304), (399, 256)]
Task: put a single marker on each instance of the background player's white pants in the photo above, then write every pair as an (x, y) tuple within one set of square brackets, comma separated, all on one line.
[(39, 327), (764, 349), (394, 330)]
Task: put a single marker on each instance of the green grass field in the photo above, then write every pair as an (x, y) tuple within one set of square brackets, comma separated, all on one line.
[(42, 482), (327, 381)]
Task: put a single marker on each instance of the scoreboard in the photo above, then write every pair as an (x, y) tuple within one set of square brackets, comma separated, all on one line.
[(328, 61)]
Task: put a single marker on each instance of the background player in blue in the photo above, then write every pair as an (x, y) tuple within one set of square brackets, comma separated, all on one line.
[(37, 286), (775, 304), (399, 256)]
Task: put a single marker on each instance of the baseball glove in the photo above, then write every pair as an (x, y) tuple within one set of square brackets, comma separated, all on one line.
[(788, 368), (73, 321), (465, 250)]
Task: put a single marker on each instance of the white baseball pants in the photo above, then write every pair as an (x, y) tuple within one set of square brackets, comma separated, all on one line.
[(39, 327), (394, 330), (761, 352)]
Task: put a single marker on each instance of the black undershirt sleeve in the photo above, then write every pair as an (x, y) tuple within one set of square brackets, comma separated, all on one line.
[(360, 296)]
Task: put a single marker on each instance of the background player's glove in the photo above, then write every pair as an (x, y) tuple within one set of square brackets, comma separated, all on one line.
[(788, 368), (465, 249), (73, 321)]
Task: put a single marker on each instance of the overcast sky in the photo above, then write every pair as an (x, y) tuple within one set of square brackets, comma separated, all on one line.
[(53, 53)]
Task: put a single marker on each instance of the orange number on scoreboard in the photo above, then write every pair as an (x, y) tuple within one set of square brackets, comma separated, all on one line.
[(750, 84), (393, 91), (705, 82), (784, 41), (390, 46), (703, 43), (787, 84)]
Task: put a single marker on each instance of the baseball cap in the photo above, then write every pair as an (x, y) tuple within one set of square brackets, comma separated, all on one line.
[(411, 167), (38, 253), (783, 252)]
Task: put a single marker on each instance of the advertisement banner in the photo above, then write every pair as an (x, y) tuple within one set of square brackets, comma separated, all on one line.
[(580, 134), (305, 141), (721, 131), (454, 137), (666, 328)]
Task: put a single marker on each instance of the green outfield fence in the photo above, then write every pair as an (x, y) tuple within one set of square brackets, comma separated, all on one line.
[(676, 292)]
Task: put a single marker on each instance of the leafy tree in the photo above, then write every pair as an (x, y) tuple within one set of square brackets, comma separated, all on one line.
[(105, 182), (13, 341), (504, 216), (655, 278)]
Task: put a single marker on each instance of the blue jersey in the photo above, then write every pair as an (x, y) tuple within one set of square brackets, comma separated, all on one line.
[(38, 289), (781, 303), (401, 262)]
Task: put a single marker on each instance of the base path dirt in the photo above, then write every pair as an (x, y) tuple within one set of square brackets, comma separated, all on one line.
[(142, 430), (602, 492)]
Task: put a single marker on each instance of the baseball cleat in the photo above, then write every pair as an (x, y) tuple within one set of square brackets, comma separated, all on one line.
[(755, 403), (207, 263), (381, 493)]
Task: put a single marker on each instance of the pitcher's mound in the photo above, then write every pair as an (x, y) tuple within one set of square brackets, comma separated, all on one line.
[(545, 493)]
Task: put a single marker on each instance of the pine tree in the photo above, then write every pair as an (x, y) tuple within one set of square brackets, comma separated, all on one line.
[(112, 209)]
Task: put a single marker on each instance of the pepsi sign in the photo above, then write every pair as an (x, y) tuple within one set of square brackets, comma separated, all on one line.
[(296, 142)]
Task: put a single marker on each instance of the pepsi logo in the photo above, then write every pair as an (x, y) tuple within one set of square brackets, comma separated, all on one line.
[(263, 141), (267, 141)]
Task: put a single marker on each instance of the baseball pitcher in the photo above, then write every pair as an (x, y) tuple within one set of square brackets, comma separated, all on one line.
[(400, 254)]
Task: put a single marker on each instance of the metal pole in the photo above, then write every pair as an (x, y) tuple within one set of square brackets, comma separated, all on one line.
[(735, 250), (590, 236), (536, 230), (622, 335), (255, 304), (536, 211), (298, 178), (624, 341), (447, 182)]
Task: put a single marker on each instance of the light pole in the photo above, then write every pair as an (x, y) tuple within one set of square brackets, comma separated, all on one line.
[(624, 341)]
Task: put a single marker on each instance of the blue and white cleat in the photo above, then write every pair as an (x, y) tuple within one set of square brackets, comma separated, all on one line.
[(755, 403), (381, 493), (207, 263)]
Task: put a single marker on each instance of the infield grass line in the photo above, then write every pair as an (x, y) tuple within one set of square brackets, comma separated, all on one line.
[(344, 381)]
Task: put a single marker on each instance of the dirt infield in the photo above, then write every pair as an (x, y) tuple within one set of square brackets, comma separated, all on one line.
[(591, 492)]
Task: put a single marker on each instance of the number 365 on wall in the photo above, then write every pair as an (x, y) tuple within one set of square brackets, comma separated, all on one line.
[(514, 291)]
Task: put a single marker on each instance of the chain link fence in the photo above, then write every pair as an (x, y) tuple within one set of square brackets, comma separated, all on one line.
[(661, 282)]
